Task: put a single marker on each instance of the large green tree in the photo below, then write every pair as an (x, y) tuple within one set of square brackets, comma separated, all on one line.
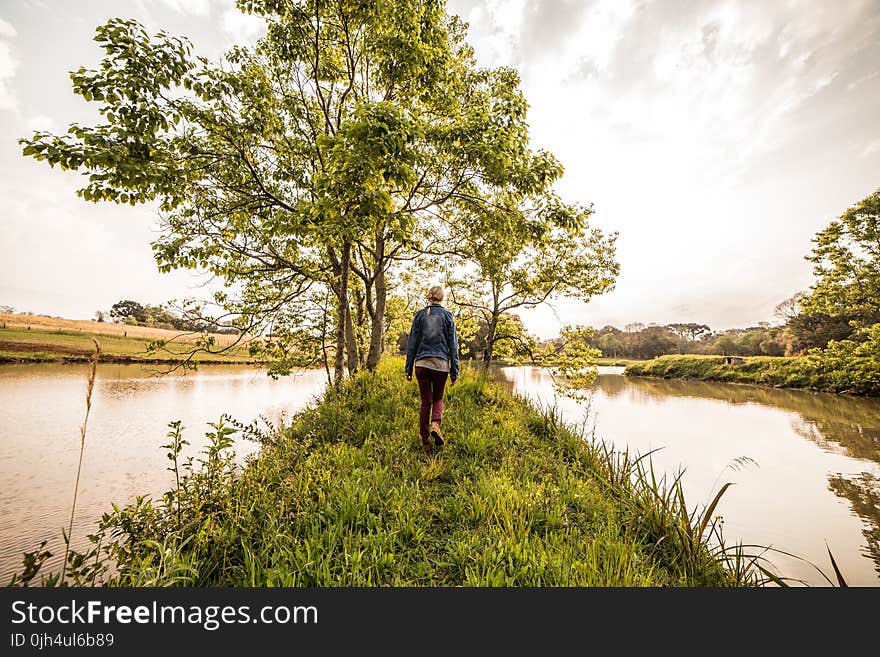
[(321, 153)]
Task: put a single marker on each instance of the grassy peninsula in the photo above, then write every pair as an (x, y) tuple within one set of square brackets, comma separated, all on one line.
[(854, 376), (343, 497)]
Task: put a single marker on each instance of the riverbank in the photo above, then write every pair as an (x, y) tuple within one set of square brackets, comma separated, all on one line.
[(783, 372), (70, 345), (617, 362), (343, 496)]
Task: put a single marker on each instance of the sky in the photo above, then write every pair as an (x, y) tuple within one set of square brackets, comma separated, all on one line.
[(716, 137)]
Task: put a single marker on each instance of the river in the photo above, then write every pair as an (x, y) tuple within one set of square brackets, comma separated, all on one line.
[(806, 466), (41, 410)]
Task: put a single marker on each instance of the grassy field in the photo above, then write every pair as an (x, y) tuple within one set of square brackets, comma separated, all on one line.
[(345, 497), (25, 338), (792, 372)]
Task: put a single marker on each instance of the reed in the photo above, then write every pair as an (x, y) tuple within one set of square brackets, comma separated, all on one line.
[(93, 372)]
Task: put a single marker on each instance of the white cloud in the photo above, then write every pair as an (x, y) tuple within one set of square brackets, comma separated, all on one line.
[(855, 83), (193, 7), (43, 123), (871, 148), (8, 64), (6, 30), (242, 28)]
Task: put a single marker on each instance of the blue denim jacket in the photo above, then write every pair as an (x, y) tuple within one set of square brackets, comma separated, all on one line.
[(433, 334)]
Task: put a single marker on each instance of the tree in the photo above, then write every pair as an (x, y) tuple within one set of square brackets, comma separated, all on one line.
[(128, 310), (290, 166), (656, 341), (570, 361), (609, 342), (817, 329), (855, 361), (7, 310), (726, 345), (512, 341), (690, 331), (100, 315), (790, 308), (847, 265), (522, 252)]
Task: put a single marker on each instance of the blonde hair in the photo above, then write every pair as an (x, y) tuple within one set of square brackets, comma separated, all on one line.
[(435, 294)]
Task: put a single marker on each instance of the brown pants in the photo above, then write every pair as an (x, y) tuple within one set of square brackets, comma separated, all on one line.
[(431, 386)]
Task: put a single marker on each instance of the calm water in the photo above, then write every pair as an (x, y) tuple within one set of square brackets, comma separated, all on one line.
[(811, 472), (42, 407)]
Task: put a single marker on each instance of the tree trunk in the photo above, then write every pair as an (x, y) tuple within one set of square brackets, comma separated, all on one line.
[(324, 309), (344, 264), (490, 332), (490, 342), (361, 322), (350, 342), (380, 284)]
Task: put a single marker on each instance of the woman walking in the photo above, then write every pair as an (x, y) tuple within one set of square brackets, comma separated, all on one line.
[(432, 349)]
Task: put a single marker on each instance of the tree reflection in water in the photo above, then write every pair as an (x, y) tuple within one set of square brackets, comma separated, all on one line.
[(848, 425), (863, 492)]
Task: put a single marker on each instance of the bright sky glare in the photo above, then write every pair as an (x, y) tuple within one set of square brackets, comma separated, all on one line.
[(715, 136)]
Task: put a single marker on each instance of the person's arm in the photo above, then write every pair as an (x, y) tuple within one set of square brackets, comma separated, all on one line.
[(414, 334), (453, 340)]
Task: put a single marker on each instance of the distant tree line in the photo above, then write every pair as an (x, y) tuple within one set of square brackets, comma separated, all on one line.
[(642, 341), (137, 314)]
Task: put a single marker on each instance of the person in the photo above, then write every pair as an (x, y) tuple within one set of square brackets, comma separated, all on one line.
[(432, 350)]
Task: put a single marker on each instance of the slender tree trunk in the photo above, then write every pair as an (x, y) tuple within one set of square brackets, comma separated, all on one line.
[(344, 265), (325, 310), (381, 287), (490, 333), (490, 342), (351, 342), (361, 328)]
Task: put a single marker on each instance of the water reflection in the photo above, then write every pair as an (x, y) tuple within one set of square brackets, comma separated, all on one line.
[(863, 492), (837, 422), (42, 405), (818, 455)]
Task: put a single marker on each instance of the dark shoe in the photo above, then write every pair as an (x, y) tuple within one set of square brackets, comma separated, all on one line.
[(426, 445), (437, 434)]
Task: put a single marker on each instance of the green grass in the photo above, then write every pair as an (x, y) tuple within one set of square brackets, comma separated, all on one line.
[(792, 372), (344, 497), (18, 345)]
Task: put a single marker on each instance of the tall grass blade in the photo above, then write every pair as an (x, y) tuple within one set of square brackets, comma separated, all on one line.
[(711, 508), (840, 580), (773, 577), (93, 371)]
